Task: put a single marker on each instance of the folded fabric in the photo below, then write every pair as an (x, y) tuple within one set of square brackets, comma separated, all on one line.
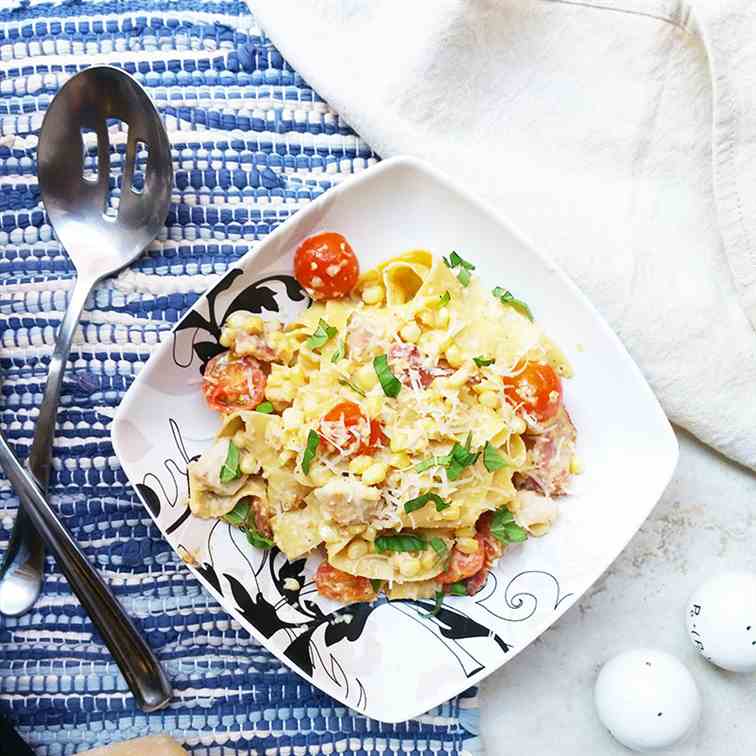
[(588, 124)]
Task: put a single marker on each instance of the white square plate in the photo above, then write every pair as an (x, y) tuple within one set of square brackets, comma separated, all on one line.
[(389, 660)]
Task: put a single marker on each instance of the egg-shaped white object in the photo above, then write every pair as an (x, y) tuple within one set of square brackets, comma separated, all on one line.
[(721, 620), (647, 699)]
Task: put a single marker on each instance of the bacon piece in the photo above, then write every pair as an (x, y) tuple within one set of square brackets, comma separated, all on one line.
[(409, 367), (493, 548)]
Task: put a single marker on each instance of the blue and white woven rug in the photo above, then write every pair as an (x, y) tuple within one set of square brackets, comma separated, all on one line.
[(252, 143)]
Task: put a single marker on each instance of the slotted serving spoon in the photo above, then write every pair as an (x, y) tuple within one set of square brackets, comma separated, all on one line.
[(99, 244)]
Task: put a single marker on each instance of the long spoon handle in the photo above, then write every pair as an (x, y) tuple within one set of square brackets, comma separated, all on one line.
[(22, 570), (144, 675)]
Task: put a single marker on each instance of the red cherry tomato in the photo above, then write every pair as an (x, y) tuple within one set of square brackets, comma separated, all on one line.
[(462, 566), (351, 415), (341, 586), (233, 383), (326, 266), (536, 388)]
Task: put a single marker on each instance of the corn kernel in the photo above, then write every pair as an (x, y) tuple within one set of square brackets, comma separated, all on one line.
[(467, 545), (576, 466), (374, 404), (286, 456), (468, 532), (400, 460), (409, 566), (359, 464), (253, 324), (292, 417), (442, 317), (236, 319), (370, 534), (320, 476), (427, 317), (227, 338), (357, 549), (518, 425), (428, 559), (373, 294), (410, 333), (374, 474), (365, 377), (489, 399), (450, 513), (248, 465), (454, 356)]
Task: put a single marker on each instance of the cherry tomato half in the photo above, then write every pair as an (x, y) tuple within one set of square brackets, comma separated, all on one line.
[(462, 566), (536, 388), (341, 586), (326, 266), (233, 383), (351, 415)]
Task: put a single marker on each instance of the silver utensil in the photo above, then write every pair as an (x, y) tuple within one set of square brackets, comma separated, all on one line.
[(99, 241)]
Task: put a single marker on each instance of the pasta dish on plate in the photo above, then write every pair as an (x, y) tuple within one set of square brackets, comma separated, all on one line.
[(410, 424)]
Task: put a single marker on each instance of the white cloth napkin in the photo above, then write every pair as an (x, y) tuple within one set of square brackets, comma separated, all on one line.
[(588, 124)]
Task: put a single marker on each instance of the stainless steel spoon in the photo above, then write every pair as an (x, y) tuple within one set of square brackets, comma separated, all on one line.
[(99, 243)]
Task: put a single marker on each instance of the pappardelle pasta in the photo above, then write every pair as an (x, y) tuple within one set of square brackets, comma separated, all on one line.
[(410, 424)]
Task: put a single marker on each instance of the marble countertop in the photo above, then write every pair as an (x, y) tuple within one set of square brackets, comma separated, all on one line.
[(542, 701)]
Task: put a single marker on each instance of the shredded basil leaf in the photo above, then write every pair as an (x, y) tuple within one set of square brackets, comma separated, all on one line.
[(444, 299), (492, 460), (483, 361), (461, 457), (399, 542), (390, 384), (238, 515), (265, 407), (256, 538), (323, 333), (508, 299), (338, 353), (313, 440), (230, 469), (349, 384), (455, 261), (439, 602), (458, 589), (377, 584), (439, 546), (418, 503), (505, 529)]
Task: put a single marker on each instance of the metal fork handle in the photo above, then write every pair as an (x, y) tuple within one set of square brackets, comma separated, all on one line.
[(141, 669)]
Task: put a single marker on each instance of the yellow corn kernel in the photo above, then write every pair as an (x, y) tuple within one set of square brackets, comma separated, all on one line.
[(320, 476), (450, 513), (489, 399), (518, 425), (400, 460), (365, 377), (237, 319), (468, 532), (409, 566), (253, 324), (427, 317), (442, 317), (374, 404), (461, 375), (357, 549), (248, 465), (410, 333), (454, 356), (374, 474), (373, 294), (292, 417), (370, 534), (286, 456), (428, 559), (227, 338), (240, 439), (467, 545), (359, 464), (576, 466), (432, 341)]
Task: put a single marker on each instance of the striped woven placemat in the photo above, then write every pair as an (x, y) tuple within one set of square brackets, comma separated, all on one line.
[(251, 144)]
